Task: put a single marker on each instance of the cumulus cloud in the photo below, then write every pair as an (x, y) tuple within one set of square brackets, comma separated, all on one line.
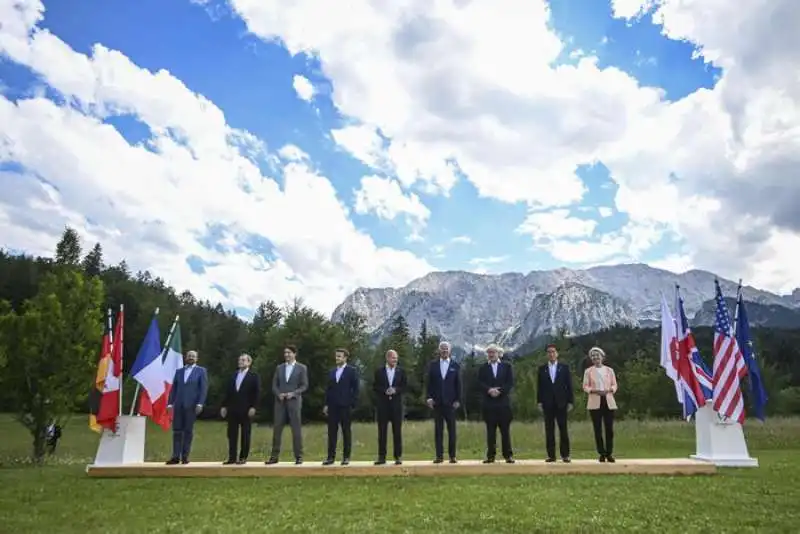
[(303, 87), (457, 85), (156, 203)]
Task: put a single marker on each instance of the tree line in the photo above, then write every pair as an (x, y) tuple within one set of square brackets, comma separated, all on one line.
[(51, 323)]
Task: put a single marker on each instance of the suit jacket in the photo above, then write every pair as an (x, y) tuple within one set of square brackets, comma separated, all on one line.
[(344, 392), (186, 394), (239, 402), (555, 394), (444, 391), (504, 380), (297, 383), (609, 385), (381, 383)]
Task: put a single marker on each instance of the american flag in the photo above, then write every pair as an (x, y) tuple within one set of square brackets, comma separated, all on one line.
[(693, 374), (729, 366)]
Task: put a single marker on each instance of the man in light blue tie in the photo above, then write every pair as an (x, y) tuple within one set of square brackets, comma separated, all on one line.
[(186, 400)]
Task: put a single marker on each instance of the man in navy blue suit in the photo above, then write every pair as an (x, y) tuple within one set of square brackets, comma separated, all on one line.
[(341, 397), (444, 397), (186, 400)]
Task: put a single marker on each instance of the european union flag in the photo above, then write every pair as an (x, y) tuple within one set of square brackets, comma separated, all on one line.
[(759, 394)]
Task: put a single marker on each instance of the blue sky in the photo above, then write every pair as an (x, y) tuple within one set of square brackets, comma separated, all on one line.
[(222, 52)]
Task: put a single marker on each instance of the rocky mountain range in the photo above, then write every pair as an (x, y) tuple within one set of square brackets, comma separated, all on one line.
[(472, 310)]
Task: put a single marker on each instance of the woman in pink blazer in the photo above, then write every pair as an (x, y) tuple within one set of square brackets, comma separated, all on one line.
[(600, 384)]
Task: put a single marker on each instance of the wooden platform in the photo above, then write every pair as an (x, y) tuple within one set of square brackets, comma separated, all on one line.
[(678, 466)]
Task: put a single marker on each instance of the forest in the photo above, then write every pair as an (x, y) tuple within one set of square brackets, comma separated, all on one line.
[(51, 323)]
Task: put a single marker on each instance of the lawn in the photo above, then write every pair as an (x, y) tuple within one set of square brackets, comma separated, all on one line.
[(59, 497)]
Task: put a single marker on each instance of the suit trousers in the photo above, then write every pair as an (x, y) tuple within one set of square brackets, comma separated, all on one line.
[(498, 417), (390, 413), (183, 418), (603, 417), (287, 411), (444, 415), (556, 415), (339, 416), (239, 423)]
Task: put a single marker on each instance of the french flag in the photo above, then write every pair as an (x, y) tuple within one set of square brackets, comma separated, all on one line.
[(172, 361), (147, 370)]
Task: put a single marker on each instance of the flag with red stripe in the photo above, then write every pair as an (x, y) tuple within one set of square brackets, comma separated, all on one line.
[(729, 365), (110, 401)]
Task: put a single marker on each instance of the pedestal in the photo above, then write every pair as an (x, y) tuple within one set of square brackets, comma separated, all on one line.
[(722, 444), (126, 445)]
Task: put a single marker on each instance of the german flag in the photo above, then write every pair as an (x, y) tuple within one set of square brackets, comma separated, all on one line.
[(96, 393)]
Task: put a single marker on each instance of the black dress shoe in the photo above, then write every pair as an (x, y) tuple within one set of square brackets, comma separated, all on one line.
[(453, 460), (173, 461), (271, 461), (185, 461), (346, 461), (438, 460), (610, 459), (380, 461), (298, 461), (398, 461), (328, 461), (229, 462), (510, 460), (602, 459), (550, 460), (489, 461), (566, 459), (241, 461)]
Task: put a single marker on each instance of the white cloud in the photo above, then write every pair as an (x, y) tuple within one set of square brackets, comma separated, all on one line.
[(462, 239), (605, 211), (153, 203), (556, 224), (385, 198), (445, 78), (303, 87)]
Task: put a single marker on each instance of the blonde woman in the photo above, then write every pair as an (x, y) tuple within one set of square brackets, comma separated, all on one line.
[(600, 384)]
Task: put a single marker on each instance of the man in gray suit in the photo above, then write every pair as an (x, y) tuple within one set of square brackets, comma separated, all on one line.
[(186, 400), (288, 385)]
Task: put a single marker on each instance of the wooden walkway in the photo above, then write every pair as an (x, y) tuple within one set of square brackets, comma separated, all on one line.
[(678, 466)]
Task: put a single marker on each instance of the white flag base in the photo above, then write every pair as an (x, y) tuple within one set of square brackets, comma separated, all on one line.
[(722, 444), (126, 446)]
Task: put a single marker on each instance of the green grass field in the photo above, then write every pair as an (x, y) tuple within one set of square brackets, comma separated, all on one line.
[(59, 497)]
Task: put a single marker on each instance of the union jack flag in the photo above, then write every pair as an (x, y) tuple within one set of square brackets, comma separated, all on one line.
[(729, 365), (694, 375)]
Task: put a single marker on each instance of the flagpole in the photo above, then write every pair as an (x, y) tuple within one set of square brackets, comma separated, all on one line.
[(121, 355), (736, 311), (138, 385)]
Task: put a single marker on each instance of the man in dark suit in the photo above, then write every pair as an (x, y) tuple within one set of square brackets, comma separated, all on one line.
[(389, 386), (555, 397), (186, 400), (289, 383), (341, 397), (239, 408), (444, 397), (496, 380)]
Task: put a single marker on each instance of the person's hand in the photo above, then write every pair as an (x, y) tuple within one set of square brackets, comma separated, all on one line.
[(223, 412), (281, 396), (169, 407), (390, 391), (429, 402), (290, 395), (569, 407), (540, 407), (456, 404), (198, 409), (325, 411), (251, 413)]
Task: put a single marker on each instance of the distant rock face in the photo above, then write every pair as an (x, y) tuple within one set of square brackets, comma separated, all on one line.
[(473, 310)]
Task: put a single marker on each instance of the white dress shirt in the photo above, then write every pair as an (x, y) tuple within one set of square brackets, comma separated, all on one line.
[(444, 365), (553, 367), (390, 375), (187, 372), (289, 369), (339, 371), (240, 378), (494, 368)]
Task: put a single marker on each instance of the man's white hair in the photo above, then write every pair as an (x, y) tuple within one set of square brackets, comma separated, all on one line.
[(249, 358), (494, 348), (192, 353), (390, 351), (444, 345)]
